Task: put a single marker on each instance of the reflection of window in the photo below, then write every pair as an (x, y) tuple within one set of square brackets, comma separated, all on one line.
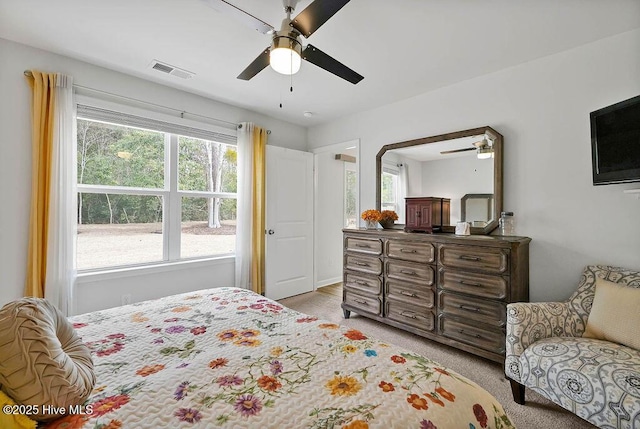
[(147, 194), (350, 195), (390, 190)]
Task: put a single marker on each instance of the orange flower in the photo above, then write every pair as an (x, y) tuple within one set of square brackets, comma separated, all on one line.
[(181, 309), (398, 359), (417, 402), (149, 369), (386, 387), (357, 424), (269, 383), (343, 386), (371, 215), (113, 424), (442, 371), (388, 215), (108, 404), (249, 333), (276, 351), (446, 394), (139, 317), (328, 326), (218, 363), (354, 334), (434, 398), (72, 421)]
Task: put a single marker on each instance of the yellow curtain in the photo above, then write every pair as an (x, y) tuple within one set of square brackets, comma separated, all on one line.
[(42, 114), (259, 138)]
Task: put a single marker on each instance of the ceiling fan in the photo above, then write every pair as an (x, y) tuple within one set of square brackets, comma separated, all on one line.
[(483, 148), (286, 51)]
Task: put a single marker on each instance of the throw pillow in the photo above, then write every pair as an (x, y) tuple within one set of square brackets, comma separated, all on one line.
[(44, 361), (614, 314), (13, 420)]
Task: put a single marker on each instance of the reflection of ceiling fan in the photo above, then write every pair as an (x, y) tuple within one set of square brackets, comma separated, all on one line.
[(286, 51), (483, 148)]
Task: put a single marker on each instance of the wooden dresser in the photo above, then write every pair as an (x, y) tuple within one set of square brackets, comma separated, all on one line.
[(448, 288)]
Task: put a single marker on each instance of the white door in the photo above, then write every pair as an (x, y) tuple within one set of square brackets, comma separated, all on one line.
[(289, 223)]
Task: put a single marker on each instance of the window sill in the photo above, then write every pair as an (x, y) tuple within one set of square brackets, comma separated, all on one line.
[(161, 267)]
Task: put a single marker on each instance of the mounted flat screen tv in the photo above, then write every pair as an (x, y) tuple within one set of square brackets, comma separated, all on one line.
[(615, 143)]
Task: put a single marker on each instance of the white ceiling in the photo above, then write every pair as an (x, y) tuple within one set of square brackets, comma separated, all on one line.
[(401, 47)]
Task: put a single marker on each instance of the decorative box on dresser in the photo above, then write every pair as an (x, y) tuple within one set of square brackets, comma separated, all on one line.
[(448, 288)]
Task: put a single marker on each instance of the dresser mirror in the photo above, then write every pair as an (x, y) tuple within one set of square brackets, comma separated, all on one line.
[(463, 166)]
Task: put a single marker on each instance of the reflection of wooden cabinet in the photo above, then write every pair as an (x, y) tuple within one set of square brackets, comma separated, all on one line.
[(447, 288), (423, 214)]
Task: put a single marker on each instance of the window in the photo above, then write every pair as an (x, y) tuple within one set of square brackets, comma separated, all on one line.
[(151, 191), (390, 183), (350, 195)]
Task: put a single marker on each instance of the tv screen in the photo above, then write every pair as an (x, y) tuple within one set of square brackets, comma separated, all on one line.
[(615, 143)]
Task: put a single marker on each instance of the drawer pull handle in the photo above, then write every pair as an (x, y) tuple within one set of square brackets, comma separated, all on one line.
[(466, 283), (409, 315), (410, 273), (469, 308), (360, 282), (362, 245), (462, 331), (360, 301), (411, 294), (408, 251), (470, 258), (362, 264)]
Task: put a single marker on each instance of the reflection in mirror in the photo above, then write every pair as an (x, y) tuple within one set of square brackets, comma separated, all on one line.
[(465, 167), (477, 209)]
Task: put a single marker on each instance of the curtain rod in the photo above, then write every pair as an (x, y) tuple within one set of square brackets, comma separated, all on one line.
[(182, 112)]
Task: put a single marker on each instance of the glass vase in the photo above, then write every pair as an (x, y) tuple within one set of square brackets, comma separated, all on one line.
[(371, 224)]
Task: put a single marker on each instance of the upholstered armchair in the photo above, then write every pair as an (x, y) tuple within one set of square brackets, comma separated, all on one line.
[(596, 379)]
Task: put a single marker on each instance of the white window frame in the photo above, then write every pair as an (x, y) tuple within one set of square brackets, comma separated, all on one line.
[(172, 196), (392, 169)]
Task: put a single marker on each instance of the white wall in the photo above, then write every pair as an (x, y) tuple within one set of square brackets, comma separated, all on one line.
[(454, 177), (15, 171), (542, 109)]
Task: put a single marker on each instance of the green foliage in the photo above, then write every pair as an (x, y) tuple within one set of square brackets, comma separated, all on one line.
[(115, 155)]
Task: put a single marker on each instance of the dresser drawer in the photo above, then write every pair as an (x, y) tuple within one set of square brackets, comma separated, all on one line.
[(411, 251), (410, 315), (487, 339), (367, 304), (482, 285), (481, 310), (362, 283), (414, 294), (362, 263), (488, 259), (410, 272), (371, 246)]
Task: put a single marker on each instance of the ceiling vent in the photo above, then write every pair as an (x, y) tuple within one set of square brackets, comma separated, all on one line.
[(173, 71)]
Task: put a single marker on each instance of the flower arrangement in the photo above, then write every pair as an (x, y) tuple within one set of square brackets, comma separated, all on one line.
[(371, 215), (388, 215)]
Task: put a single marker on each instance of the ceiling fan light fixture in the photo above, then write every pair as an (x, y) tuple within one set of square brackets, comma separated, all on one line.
[(285, 55)]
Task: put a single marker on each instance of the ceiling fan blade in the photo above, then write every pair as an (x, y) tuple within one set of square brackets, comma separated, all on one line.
[(444, 152), (324, 61), (256, 66), (240, 15), (316, 14)]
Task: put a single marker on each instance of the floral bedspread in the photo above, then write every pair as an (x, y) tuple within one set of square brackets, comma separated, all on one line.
[(227, 357)]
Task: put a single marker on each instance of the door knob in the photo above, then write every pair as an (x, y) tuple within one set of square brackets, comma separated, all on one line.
[(271, 232)]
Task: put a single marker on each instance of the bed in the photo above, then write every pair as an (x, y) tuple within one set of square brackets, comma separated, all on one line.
[(227, 357)]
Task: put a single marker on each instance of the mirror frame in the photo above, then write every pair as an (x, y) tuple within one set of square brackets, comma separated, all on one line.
[(497, 170)]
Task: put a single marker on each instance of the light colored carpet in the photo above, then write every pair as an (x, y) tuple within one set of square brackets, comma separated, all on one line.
[(538, 413)]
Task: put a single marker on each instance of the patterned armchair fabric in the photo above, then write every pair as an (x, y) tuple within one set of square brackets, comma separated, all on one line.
[(597, 380)]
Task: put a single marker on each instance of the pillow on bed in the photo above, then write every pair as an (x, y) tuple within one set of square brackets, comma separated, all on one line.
[(13, 420), (44, 361), (614, 314)]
